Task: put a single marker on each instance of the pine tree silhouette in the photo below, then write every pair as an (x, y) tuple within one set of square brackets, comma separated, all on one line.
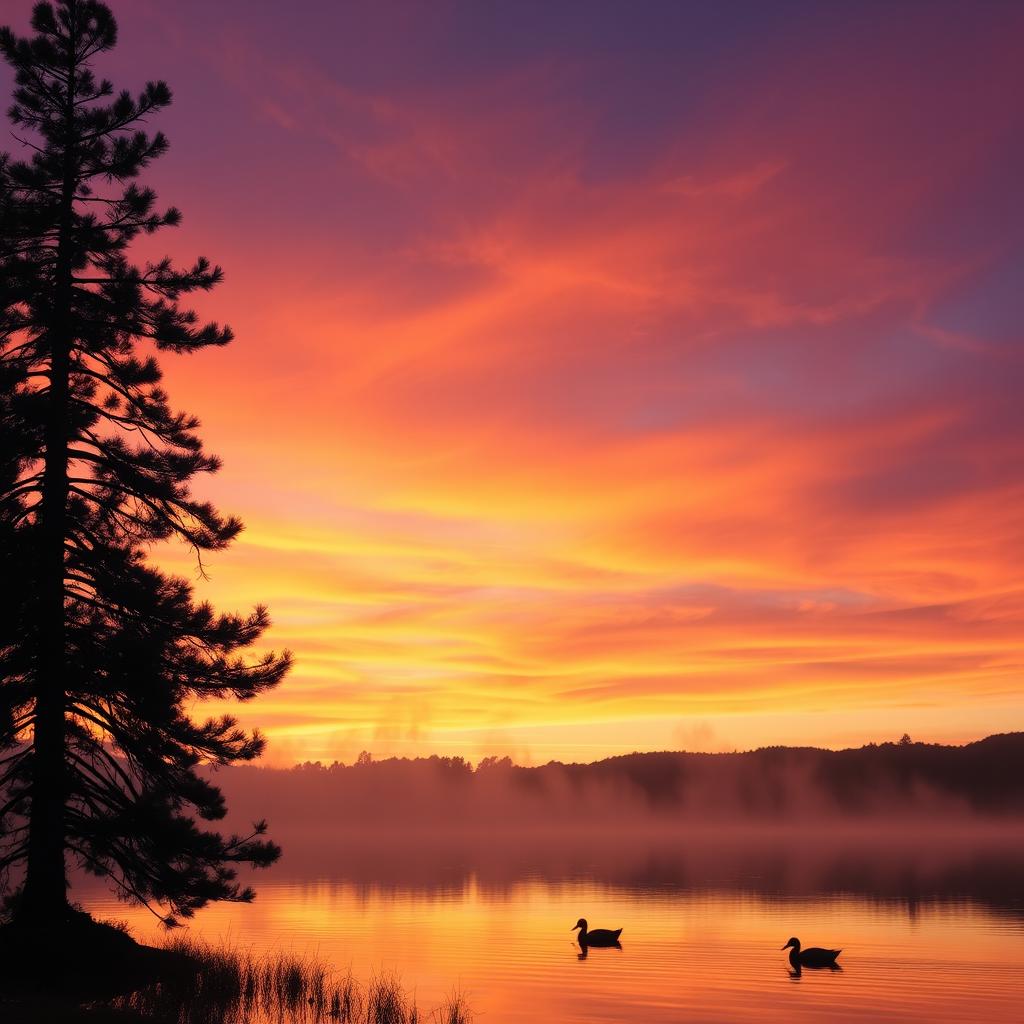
[(100, 653)]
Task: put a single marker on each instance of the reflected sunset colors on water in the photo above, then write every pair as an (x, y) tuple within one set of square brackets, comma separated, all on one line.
[(922, 934)]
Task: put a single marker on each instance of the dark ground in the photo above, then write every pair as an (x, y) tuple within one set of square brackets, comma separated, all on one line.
[(49, 976)]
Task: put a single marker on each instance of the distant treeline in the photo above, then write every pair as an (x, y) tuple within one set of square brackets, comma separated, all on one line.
[(985, 778)]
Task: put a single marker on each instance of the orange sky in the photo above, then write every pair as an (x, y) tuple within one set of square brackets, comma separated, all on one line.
[(638, 380)]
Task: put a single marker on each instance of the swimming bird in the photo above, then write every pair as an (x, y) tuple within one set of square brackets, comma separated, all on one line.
[(597, 937), (813, 957)]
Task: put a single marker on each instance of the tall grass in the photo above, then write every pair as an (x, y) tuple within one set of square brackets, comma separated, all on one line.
[(222, 985)]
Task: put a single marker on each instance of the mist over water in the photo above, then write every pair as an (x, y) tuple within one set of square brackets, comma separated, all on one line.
[(902, 868)]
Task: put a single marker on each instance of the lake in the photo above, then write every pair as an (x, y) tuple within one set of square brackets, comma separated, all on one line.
[(931, 922)]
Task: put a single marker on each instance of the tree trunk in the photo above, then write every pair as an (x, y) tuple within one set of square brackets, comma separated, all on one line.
[(45, 896), (45, 900)]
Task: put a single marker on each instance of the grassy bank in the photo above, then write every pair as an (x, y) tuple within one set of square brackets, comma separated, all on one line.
[(96, 974), (231, 986)]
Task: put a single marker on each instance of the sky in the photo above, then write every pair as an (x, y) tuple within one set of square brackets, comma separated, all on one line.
[(608, 377)]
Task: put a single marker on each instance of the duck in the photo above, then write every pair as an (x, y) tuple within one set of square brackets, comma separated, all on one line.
[(813, 957), (597, 937)]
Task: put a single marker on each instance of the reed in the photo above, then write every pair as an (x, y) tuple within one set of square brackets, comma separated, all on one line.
[(225, 985)]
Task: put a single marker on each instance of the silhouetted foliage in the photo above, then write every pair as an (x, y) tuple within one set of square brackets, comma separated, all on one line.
[(100, 653)]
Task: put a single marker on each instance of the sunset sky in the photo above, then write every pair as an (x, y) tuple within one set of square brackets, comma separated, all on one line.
[(608, 376)]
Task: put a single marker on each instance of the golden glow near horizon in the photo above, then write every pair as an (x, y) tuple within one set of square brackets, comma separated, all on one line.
[(561, 429)]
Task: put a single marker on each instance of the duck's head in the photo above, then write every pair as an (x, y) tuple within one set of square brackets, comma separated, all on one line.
[(581, 923), (795, 943)]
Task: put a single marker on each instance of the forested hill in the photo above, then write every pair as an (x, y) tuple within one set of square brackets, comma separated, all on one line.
[(985, 776), (903, 779)]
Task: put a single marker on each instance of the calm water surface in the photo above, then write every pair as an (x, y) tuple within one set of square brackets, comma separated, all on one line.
[(932, 929)]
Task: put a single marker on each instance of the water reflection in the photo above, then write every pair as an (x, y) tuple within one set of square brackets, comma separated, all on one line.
[(796, 971), (884, 866), (931, 930), (585, 948)]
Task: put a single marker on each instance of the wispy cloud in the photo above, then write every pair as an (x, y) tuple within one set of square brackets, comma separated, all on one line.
[(593, 392)]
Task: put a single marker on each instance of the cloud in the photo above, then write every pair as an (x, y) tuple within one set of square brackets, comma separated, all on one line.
[(582, 389)]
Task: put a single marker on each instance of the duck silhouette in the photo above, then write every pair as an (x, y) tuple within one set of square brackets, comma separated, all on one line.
[(597, 937), (813, 957)]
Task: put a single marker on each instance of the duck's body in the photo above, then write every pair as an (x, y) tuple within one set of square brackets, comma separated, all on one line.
[(812, 957), (597, 937)]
